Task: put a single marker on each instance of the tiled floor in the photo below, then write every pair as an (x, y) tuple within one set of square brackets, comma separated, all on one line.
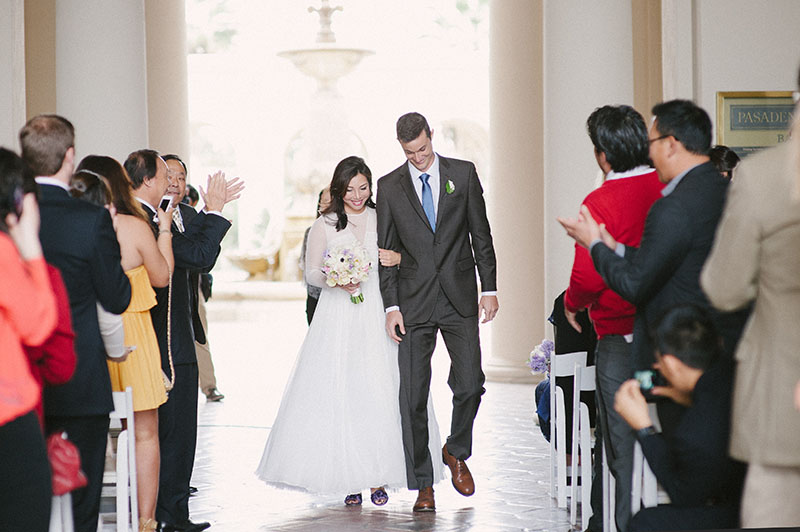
[(254, 344)]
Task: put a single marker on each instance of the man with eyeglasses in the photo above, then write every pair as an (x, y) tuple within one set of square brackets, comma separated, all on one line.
[(664, 270)]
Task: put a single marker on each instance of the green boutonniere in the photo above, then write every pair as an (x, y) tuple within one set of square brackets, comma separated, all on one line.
[(450, 187)]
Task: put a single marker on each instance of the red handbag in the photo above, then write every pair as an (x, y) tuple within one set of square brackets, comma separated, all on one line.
[(65, 463)]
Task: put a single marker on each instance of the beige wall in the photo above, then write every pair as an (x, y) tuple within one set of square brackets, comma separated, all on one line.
[(742, 45)]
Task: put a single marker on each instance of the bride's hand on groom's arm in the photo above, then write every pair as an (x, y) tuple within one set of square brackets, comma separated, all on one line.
[(488, 306), (389, 258), (394, 322)]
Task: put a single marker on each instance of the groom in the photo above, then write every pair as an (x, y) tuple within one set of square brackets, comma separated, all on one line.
[(431, 209)]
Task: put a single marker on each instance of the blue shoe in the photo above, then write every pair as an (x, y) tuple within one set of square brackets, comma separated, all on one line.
[(353, 499), (379, 497)]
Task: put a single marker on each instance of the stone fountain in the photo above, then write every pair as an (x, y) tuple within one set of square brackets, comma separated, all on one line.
[(323, 141)]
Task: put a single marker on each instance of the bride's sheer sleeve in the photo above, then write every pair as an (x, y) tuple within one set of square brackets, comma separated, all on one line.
[(317, 244)]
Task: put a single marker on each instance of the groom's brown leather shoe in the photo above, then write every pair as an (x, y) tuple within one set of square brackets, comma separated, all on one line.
[(425, 502), (462, 478)]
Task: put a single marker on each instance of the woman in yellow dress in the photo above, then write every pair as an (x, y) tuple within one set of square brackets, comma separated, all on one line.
[(148, 262)]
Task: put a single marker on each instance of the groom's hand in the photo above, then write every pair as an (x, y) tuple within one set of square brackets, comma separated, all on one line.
[(489, 306), (394, 321)]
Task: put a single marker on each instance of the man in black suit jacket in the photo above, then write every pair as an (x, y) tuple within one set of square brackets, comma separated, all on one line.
[(195, 245), (704, 485), (78, 238), (678, 233), (431, 209)]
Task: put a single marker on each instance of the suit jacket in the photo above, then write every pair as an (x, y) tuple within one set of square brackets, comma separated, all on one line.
[(446, 258), (756, 256), (665, 270), (196, 248), (78, 239)]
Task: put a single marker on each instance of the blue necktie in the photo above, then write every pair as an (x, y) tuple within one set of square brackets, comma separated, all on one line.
[(427, 201)]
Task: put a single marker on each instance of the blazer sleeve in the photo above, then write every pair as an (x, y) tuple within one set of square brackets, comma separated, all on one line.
[(481, 234), (387, 239), (729, 276), (666, 239), (111, 285), (198, 246)]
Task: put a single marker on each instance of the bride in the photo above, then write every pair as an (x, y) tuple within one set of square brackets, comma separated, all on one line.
[(338, 425)]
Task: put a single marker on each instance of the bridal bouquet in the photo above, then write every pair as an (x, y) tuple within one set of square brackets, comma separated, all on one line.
[(539, 359), (346, 264)]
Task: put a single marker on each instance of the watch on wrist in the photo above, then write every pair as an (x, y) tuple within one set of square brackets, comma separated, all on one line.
[(647, 431)]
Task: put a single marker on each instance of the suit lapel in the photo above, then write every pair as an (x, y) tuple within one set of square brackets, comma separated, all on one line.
[(444, 177), (413, 199)]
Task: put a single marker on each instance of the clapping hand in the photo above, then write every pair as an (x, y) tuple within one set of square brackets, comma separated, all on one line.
[(584, 229), (220, 191)]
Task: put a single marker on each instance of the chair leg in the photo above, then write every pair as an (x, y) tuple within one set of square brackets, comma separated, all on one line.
[(122, 482), (561, 449), (586, 466)]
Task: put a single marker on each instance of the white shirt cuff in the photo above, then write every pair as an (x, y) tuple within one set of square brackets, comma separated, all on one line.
[(392, 309)]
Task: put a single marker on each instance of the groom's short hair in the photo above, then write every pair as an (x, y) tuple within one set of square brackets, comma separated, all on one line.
[(410, 125), (619, 131)]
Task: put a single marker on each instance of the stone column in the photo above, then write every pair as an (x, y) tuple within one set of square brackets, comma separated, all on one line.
[(515, 201), (100, 79), (167, 92), (12, 71)]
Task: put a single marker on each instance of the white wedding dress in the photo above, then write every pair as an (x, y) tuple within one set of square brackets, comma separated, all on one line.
[(338, 426)]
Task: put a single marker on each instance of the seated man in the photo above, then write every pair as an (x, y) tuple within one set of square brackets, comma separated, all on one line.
[(703, 483)]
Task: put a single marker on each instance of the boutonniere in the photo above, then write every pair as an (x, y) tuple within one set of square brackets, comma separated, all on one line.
[(449, 187)]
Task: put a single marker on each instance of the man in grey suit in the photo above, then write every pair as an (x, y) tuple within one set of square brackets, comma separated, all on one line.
[(431, 210)]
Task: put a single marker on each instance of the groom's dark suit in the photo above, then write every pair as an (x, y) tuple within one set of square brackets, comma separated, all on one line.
[(436, 290), (196, 247), (78, 238)]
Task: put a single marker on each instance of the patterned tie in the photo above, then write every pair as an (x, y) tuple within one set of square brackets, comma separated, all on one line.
[(178, 219), (427, 201)]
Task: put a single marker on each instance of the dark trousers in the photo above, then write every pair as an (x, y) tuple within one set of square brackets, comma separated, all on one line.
[(177, 434), (25, 488), (466, 381), (90, 435), (670, 517), (614, 366)]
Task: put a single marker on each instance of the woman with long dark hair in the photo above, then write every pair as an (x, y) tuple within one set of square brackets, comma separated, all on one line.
[(148, 262), (338, 427)]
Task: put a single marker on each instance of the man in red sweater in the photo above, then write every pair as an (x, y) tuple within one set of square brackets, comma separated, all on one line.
[(630, 187)]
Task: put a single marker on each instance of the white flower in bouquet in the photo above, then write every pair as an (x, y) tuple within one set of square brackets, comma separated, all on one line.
[(347, 264)]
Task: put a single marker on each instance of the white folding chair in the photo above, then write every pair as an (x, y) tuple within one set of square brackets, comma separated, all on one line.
[(61, 514), (560, 366), (126, 487), (583, 381)]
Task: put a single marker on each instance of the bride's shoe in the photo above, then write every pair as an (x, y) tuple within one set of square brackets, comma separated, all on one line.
[(353, 499), (379, 496)]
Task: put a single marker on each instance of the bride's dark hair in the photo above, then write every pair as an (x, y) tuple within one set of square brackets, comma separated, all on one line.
[(346, 170)]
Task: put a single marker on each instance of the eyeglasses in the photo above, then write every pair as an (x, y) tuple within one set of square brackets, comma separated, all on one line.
[(662, 137)]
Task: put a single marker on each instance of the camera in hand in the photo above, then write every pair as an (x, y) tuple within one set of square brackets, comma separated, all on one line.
[(648, 379)]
